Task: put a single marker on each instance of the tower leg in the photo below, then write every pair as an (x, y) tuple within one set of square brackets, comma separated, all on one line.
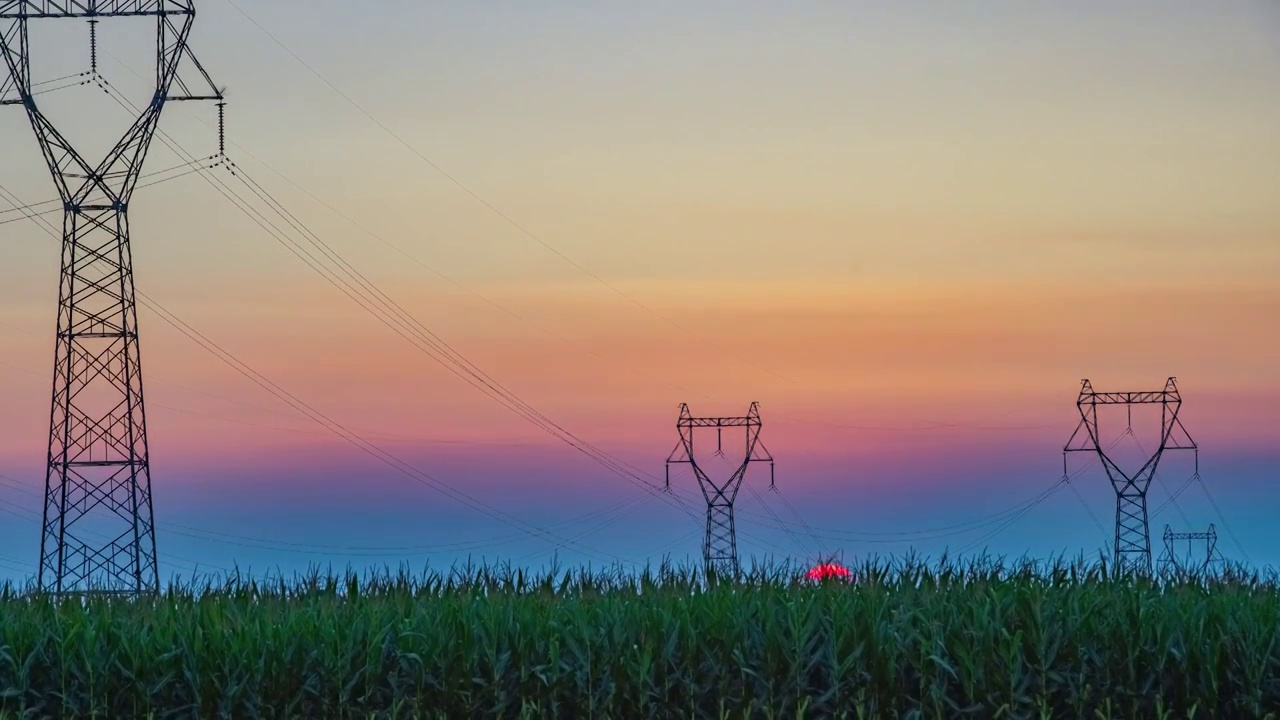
[(720, 548), (1133, 538), (99, 531)]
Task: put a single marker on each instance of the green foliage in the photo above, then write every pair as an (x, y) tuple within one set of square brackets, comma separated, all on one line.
[(905, 640)]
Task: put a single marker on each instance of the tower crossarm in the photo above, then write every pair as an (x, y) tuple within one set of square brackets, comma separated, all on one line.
[(1191, 536), (1088, 396), (24, 9), (1153, 397), (721, 422)]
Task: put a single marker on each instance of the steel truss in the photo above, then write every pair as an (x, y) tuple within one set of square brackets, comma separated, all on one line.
[(98, 533), (1132, 550), (720, 545), (1170, 564), (14, 9)]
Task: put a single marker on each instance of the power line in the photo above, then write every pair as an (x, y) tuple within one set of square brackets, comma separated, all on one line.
[(417, 261), (370, 434), (25, 513), (809, 550), (913, 536), (374, 301), (607, 515), (461, 286), (1106, 542), (886, 536), (1223, 519), (817, 542), (1155, 475), (31, 209), (365, 294), (494, 209), (337, 429), (360, 290), (1173, 499), (577, 265), (1057, 486), (607, 519), (610, 514), (56, 203), (933, 533), (927, 426), (355, 440)]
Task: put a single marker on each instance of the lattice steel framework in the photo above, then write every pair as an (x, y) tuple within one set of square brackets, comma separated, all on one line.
[(720, 545), (1133, 537), (98, 532), (1169, 560)]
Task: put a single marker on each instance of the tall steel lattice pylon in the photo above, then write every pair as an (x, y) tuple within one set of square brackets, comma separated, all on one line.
[(1171, 563), (720, 545), (98, 532), (1133, 536)]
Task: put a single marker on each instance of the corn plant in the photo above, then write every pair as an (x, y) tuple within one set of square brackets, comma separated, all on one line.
[(902, 639)]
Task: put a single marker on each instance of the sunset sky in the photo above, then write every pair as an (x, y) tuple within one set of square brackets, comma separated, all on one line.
[(907, 229)]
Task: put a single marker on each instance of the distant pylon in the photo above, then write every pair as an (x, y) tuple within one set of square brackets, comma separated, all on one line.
[(1171, 563), (1133, 535), (720, 544), (98, 531)]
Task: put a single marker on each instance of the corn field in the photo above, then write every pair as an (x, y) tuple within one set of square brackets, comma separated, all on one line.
[(904, 639)]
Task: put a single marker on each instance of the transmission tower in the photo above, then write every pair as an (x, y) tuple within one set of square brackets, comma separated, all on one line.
[(1133, 536), (720, 546), (98, 531), (1169, 559)]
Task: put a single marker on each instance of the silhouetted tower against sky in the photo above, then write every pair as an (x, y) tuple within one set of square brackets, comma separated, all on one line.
[(720, 546), (98, 532), (1133, 536), (1192, 562)]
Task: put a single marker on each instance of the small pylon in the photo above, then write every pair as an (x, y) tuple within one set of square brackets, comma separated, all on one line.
[(1172, 563), (720, 545), (1133, 536)]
